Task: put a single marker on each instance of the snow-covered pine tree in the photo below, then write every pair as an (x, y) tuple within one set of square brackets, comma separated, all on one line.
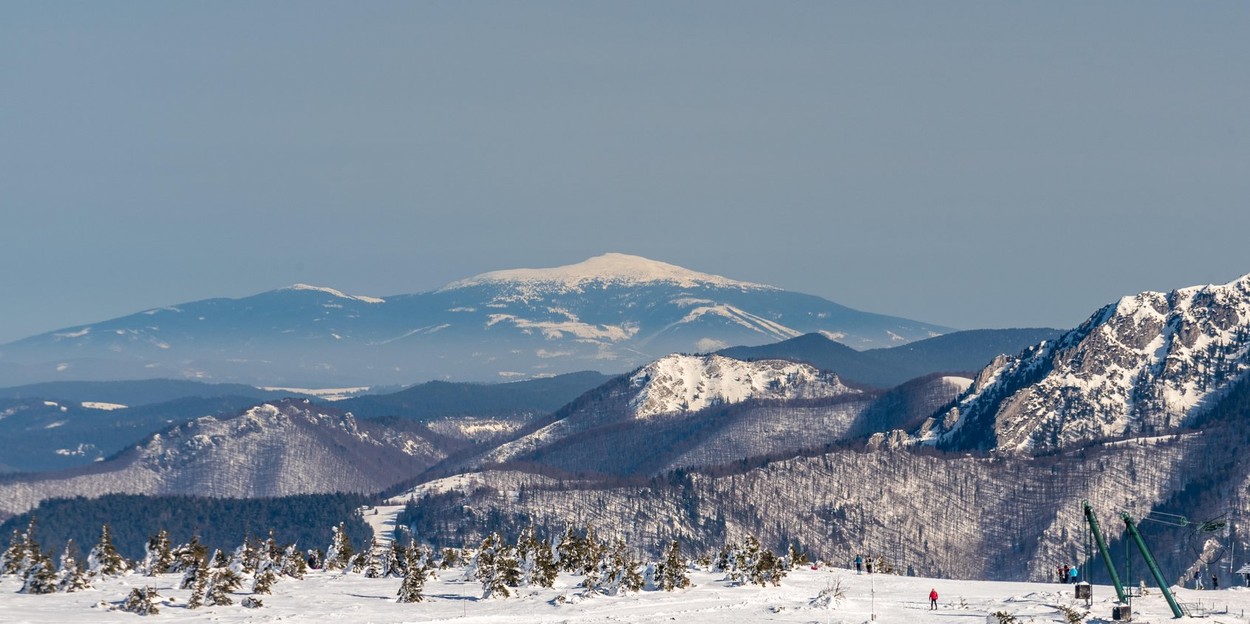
[(188, 556), (747, 558), (39, 577), (339, 555), (490, 567), (271, 549), (396, 560), (590, 552), (11, 559), (23, 551), (222, 580), (795, 558), (525, 545), (768, 569), (104, 560), (672, 571), (450, 559), (141, 601), (293, 564), (191, 570), (726, 560), (545, 568), (219, 559), (157, 556), (265, 578), (373, 560), (568, 551), (245, 557), (198, 584), (412, 589), (72, 577), (631, 580)]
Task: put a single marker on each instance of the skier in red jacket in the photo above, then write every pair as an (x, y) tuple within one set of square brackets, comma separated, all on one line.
[(933, 599)]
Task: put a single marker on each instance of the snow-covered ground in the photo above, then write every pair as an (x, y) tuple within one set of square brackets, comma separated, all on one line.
[(337, 597)]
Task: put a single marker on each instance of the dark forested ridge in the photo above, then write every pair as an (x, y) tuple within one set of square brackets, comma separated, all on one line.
[(437, 399), (962, 351), (219, 522)]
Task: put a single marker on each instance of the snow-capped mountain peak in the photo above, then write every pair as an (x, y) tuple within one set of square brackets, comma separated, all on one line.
[(689, 383), (1147, 364), (615, 268), (337, 293)]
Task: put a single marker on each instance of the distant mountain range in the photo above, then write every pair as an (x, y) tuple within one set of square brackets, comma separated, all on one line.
[(610, 313)]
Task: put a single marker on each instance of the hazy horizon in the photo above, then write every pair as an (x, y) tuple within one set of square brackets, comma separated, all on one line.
[(969, 165)]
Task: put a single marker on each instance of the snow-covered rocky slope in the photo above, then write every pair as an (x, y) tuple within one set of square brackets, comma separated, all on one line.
[(273, 449), (611, 313), (1149, 364), (676, 400)]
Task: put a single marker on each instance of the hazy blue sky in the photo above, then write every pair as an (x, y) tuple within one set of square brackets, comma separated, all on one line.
[(968, 164)]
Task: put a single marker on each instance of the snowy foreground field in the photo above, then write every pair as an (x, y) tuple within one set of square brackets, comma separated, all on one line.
[(350, 598)]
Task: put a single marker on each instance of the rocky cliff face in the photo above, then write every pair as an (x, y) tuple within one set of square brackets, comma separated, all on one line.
[(1148, 364)]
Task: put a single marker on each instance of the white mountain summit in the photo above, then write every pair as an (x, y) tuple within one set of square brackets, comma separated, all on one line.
[(611, 268), (610, 313)]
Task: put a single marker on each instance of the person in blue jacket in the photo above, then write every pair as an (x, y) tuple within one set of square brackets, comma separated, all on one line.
[(1073, 574)]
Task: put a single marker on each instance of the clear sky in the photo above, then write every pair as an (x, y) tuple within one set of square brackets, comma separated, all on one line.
[(968, 164)]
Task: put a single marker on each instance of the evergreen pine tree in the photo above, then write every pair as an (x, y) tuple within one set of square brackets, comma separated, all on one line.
[(373, 560), (188, 556), (768, 569), (222, 580), (632, 580), (191, 572), (412, 589), (198, 583), (71, 574), (104, 560), (11, 559), (339, 555), (245, 557), (672, 572), (39, 577), (141, 601), (265, 578), (157, 556), (545, 569), (486, 567), (568, 551), (396, 560), (794, 558), (293, 564)]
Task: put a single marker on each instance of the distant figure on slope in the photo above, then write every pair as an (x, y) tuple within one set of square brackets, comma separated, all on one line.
[(1215, 582), (933, 596), (869, 565), (859, 564)]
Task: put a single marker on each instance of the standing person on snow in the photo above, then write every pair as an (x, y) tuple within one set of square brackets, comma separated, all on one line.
[(859, 563), (933, 599), (1074, 572)]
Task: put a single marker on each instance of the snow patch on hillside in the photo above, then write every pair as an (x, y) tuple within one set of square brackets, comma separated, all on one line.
[(101, 405), (336, 293)]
